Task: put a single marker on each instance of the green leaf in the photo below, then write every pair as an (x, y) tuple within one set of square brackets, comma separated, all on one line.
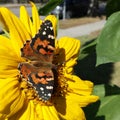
[(112, 6), (104, 90), (108, 106), (49, 7), (108, 43)]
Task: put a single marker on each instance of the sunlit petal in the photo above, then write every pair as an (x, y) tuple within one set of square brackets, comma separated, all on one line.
[(35, 18), (18, 33), (69, 110), (67, 49), (25, 18), (11, 98)]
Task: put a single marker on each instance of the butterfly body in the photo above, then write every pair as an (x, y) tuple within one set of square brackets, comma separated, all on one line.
[(39, 54)]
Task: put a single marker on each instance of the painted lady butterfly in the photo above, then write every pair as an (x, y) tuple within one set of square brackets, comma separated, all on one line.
[(39, 54)]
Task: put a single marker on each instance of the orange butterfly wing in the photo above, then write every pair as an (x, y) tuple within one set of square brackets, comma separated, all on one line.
[(39, 52)]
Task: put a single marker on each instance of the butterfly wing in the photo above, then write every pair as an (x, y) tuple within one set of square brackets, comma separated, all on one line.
[(42, 46), (40, 51), (43, 42), (41, 78), (43, 83)]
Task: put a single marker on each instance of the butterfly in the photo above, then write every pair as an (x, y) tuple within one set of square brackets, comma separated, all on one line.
[(39, 52)]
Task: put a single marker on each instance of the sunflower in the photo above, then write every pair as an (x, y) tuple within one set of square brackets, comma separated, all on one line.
[(18, 99)]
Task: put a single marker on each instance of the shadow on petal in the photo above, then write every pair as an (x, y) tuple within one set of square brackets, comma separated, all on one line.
[(60, 104)]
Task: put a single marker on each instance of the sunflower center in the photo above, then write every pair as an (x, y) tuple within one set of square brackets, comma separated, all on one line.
[(60, 86)]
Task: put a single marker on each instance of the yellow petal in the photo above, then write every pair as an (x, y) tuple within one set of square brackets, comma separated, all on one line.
[(36, 19), (9, 60), (82, 101), (8, 73), (3, 116), (68, 110), (69, 66), (26, 113), (80, 91), (69, 47), (25, 18), (79, 86), (3, 23), (67, 50), (11, 97), (49, 113), (33, 111), (18, 32), (5, 46)]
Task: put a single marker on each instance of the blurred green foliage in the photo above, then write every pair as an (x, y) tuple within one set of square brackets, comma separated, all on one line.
[(47, 8), (112, 6)]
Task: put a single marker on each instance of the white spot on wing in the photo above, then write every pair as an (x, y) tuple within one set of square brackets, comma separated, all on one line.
[(49, 94), (44, 33), (51, 36), (41, 88), (51, 28), (49, 87)]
